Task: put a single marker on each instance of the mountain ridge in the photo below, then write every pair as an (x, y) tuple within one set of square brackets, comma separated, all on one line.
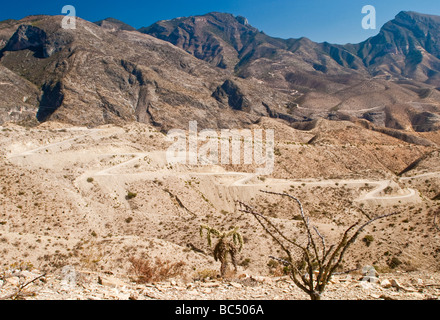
[(198, 66)]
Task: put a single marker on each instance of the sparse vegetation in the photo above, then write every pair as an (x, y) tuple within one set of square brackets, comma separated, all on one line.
[(245, 262), (309, 265), (368, 239), (394, 263), (130, 195), (224, 247), (149, 270), (205, 274)]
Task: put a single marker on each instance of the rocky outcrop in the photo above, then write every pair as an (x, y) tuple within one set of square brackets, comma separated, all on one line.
[(50, 101), (425, 122), (114, 25), (37, 40), (27, 37), (407, 137), (229, 93), (18, 97)]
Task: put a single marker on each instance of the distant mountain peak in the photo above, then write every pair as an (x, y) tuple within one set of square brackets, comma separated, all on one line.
[(415, 18), (242, 20), (294, 80), (112, 23), (215, 37), (414, 14)]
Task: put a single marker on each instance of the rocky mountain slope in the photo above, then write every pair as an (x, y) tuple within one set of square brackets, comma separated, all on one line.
[(406, 47), (114, 24), (93, 192), (391, 71), (64, 203), (95, 75), (229, 74)]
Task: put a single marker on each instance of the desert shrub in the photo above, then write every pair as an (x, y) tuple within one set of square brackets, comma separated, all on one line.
[(368, 239), (388, 190), (245, 263), (205, 274), (147, 271), (312, 263), (130, 195), (22, 266), (394, 263), (90, 180), (277, 269)]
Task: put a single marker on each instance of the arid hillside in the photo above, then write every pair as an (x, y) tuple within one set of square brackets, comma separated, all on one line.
[(90, 118), (95, 198)]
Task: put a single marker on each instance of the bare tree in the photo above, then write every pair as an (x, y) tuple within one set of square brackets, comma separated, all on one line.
[(316, 263)]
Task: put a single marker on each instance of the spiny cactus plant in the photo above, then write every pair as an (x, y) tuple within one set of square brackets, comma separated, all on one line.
[(224, 245)]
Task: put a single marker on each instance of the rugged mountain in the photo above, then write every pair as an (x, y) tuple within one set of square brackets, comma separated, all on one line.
[(219, 70), (114, 24), (390, 79), (408, 46), (218, 38), (95, 75)]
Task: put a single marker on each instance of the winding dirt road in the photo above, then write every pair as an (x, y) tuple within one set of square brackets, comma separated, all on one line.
[(241, 179)]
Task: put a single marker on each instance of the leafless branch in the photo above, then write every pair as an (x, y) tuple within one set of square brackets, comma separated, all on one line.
[(435, 220), (18, 291), (315, 257)]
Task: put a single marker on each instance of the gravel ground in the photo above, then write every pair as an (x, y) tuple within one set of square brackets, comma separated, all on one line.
[(71, 285)]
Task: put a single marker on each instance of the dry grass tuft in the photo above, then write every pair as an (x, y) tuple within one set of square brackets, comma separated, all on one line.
[(147, 272)]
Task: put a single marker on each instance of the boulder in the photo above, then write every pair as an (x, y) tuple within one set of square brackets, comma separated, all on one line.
[(386, 284), (111, 282), (370, 279)]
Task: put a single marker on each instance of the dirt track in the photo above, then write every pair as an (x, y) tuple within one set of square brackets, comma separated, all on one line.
[(223, 178)]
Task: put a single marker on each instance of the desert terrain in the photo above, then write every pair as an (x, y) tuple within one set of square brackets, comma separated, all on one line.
[(92, 208), (94, 199)]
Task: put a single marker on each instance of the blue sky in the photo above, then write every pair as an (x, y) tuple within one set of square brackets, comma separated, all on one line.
[(337, 21)]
